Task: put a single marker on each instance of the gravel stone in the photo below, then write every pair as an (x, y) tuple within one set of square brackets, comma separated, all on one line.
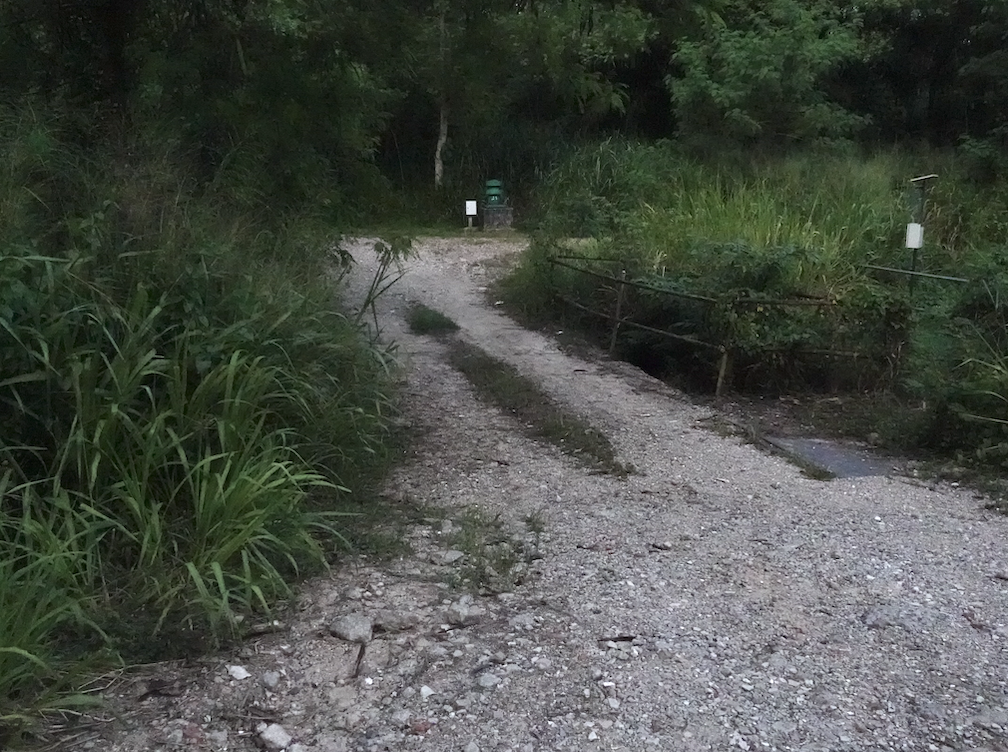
[(275, 737), (464, 613), (353, 627), (271, 679), (238, 673), (451, 556), (911, 619), (217, 738), (388, 620), (487, 680)]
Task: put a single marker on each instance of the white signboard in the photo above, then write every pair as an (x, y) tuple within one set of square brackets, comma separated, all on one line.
[(471, 208), (915, 235)]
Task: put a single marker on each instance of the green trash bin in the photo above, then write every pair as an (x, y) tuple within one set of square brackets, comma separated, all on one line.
[(494, 193), (496, 212)]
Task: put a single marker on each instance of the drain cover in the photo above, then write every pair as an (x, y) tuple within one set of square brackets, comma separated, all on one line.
[(840, 459)]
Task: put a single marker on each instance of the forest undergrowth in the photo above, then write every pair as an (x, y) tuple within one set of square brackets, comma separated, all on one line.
[(775, 259), (189, 420)]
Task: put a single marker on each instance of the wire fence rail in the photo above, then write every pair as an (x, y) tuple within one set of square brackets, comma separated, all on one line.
[(620, 320)]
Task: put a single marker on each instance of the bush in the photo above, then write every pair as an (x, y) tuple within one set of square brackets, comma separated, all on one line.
[(750, 231), (182, 403)]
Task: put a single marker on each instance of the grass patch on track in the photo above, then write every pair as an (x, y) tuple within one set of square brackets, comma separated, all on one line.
[(424, 320), (498, 557), (500, 384)]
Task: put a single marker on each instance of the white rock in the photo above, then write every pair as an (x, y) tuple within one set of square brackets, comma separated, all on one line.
[(395, 621), (275, 737), (592, 736), (334, 743), (463, 613), (238, 672), (271, 679), (218, 738), (355, 627), (472, 747), (342, 696), (524, 621), (488, 680), (425, 692)]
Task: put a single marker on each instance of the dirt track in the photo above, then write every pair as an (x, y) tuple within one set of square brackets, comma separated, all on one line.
[(715, 599)]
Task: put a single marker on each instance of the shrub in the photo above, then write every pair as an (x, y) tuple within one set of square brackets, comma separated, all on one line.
[(181, 402), (750, 231)]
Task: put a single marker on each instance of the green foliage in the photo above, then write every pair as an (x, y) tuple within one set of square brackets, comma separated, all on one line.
[(479, 64), (529, 289), (181, 405), (660, 202), (755, 72), (780, 247), (567, 50), (36, 599), (960, 363)]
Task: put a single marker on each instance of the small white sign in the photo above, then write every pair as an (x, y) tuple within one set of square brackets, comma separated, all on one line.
[(471, 210), (915, 235)]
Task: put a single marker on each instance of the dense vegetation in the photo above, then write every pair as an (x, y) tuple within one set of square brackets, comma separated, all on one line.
[(776, 261), (184, 408), (183, 404)]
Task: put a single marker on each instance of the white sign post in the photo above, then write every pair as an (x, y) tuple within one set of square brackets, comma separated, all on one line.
[(915, 235), (471, 211)]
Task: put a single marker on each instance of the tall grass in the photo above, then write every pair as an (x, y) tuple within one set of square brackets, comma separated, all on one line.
[(785, 226), (661, 203), (182, 403)]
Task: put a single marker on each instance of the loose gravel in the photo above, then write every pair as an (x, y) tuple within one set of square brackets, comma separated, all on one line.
[(715, 599)]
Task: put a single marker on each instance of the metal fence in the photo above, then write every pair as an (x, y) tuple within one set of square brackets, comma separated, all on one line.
[(619, 283)]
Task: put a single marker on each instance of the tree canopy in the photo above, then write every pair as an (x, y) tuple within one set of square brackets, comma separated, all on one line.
[(297, 94)]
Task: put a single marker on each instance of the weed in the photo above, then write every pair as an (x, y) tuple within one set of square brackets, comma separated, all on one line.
[(381, 525), (536, 522), (494, 561)]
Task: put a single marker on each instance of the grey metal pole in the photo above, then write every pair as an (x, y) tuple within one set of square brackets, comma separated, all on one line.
[(920, 185)]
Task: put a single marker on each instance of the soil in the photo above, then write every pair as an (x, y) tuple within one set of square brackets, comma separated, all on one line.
[(715, 598)]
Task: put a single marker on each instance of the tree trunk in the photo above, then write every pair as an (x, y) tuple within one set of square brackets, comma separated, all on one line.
[(442, 99), (439, 151)]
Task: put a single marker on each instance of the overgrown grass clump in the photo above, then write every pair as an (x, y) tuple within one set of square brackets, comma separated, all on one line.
[(536, 412), (182, 405), (425, 320), (770, 256)]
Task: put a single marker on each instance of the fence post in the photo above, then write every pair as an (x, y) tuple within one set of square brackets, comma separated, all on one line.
[(724, 368), (619, 313)]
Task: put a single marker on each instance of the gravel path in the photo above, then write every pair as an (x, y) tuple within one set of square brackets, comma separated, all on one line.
[(716, 599)]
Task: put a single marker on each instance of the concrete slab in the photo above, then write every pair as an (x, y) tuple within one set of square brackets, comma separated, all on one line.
[(837, 458)]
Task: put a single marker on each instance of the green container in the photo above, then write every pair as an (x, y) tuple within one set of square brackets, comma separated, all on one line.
[(494, 193)]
